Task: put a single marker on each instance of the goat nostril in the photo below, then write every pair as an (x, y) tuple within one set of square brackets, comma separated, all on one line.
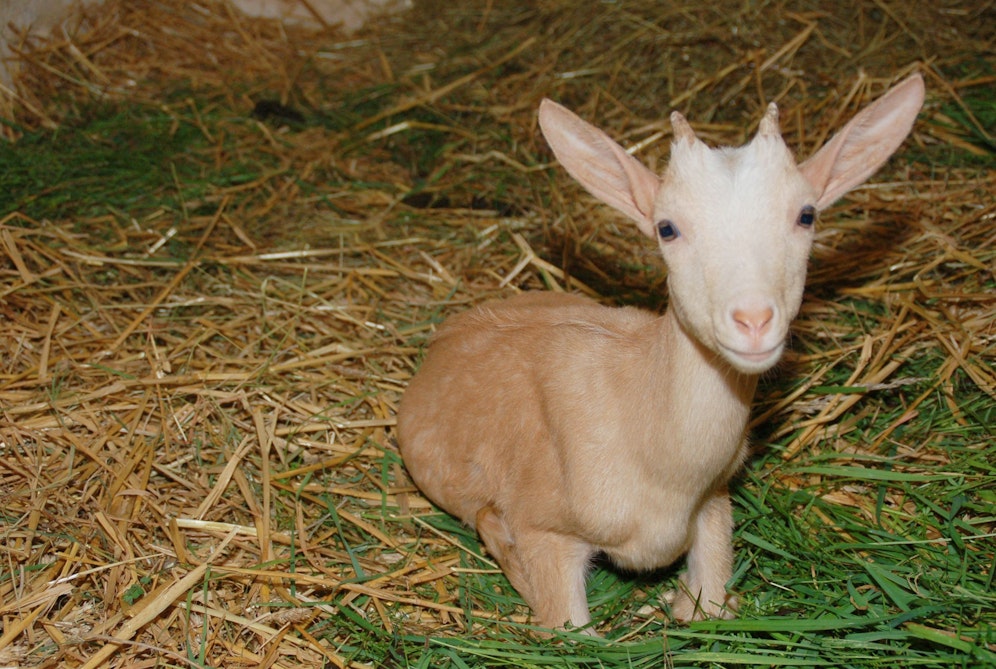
[(753, 321)]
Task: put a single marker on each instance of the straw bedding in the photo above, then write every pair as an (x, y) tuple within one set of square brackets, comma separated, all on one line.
[(201, 357)]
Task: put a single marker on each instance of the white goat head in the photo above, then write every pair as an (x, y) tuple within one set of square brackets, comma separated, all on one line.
[(735, 225)]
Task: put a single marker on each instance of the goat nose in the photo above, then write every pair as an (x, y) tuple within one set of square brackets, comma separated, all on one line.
[(753, 321)]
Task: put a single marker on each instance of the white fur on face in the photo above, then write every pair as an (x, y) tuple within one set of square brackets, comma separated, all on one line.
[(740, 249)]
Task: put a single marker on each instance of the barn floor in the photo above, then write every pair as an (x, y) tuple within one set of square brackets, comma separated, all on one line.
[(224, 243)]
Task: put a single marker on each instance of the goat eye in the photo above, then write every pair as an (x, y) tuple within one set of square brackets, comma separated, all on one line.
[(667, 231), (807, 216)]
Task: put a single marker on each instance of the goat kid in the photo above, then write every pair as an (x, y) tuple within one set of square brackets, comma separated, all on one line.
[(561, 428)]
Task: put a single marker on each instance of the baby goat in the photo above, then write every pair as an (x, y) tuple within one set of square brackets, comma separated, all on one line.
[(561, 428)]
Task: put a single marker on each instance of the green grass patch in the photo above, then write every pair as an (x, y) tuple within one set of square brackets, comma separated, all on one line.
[(121, 160)]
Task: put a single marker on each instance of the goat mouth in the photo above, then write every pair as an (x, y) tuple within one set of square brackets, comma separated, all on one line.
[(757, 357), (753, 361)]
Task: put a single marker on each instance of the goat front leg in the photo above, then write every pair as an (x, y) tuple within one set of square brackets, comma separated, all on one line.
[(701, 591)]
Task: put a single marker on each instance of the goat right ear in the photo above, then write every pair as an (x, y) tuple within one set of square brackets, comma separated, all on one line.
[(865, 143), (600, 164)]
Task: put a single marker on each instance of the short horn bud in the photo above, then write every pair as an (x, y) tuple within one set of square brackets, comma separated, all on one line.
[(769, 123), (682, 129)]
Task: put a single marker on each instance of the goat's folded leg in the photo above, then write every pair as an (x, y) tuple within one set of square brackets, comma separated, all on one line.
[(547, 569)]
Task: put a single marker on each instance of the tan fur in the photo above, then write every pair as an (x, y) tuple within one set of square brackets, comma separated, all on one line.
[(561, 428)]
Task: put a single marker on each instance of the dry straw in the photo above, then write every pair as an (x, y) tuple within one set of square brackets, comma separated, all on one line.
[(196, 401)]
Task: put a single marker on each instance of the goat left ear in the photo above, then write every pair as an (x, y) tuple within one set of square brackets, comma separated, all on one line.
[(865, 143)]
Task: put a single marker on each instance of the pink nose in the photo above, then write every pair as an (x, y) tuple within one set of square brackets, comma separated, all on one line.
[(753, 322)]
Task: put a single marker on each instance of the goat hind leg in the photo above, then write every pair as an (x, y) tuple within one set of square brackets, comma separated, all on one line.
[(547, 569)]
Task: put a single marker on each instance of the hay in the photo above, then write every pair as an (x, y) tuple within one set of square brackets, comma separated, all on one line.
[(202, 356)]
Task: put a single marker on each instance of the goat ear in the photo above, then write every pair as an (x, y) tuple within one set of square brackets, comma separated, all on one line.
[(867, 141), (600, 165)]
